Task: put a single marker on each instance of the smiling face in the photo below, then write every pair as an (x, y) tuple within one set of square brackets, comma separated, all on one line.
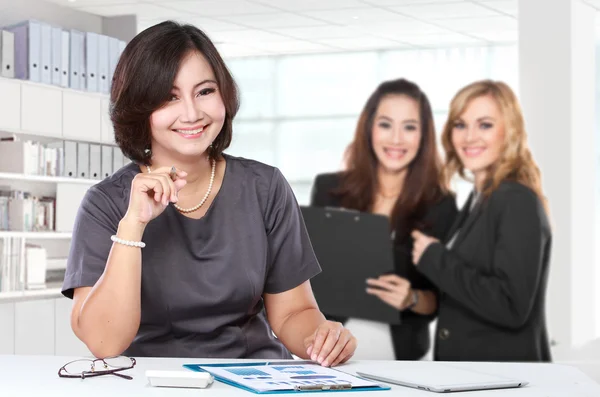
[(396, 132), (478, 135), (194, 115)]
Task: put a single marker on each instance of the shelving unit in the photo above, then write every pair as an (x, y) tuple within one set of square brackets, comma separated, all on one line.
[(36, 235), (47, 113), (29, 294), (45, 179), (37, 322)]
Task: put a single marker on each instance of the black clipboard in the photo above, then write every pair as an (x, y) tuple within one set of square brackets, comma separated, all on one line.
[(350, 246)]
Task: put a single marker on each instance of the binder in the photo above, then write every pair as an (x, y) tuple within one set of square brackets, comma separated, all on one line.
[(103, 64), (57, 56), (107, 161), (75, 79), (65, 62), (46, 53), (83, 160), (81, 44), (91, 61), (117, 159), (343, 241), (114, 53), (95, 162), (70, 160), (28, 53), (7, 54), (283, 377)]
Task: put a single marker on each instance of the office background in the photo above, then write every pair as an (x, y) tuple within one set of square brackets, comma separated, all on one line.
[(305, 68)]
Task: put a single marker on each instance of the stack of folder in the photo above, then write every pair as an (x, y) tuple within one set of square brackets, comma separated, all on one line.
[(37, 51)]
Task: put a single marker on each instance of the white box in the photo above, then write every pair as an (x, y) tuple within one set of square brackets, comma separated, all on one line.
[(19, 157), (81, 116), (68, 199), (10, 105), (35, 259), (42, 110)]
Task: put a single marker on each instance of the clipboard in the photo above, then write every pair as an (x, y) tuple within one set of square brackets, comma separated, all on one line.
[(297, 377), (350, 246)]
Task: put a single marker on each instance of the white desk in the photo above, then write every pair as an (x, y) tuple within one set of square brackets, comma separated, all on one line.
[(37, 376)]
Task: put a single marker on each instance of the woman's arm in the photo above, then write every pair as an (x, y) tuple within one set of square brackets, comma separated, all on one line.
[(397, 292), (106, 317), (506, 295), (296, 320), (427, 303)]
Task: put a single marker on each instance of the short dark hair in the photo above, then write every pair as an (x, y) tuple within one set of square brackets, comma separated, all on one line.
[(143, 81)]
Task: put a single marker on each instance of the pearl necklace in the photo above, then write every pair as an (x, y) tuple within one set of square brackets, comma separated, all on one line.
[(210, 185)]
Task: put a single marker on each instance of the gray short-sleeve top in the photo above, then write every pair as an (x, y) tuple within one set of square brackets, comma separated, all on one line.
[(203, 279)]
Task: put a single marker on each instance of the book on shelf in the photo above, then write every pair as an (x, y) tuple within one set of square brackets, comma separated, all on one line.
[(20, 211), (31, 158), (23, 266), (11, 277), (59, 158)]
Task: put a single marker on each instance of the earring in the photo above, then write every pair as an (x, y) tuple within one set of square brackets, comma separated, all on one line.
[(147, 152)]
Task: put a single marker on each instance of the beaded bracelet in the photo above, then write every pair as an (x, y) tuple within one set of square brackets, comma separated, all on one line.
[(139, 244)]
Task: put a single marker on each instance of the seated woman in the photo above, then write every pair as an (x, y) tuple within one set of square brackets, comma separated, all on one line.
[(493, 269), (393, 169), (188, 252)]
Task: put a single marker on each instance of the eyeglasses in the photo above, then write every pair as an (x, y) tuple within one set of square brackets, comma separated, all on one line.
[(87, 368)]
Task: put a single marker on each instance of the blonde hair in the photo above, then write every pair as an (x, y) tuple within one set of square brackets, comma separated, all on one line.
[(516, 161)]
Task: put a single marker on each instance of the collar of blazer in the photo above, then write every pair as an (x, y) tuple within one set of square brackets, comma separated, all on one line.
[(466, 218)]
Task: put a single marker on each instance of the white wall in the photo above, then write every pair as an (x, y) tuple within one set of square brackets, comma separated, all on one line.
[(557, 57)]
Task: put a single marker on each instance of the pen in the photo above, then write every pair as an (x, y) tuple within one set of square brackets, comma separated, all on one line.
[(340, 386)]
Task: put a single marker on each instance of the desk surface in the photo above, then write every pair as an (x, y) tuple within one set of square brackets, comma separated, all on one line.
[(37, 376)]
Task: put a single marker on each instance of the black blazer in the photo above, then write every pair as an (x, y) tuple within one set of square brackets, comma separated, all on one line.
[(411, 339), (493, 281)]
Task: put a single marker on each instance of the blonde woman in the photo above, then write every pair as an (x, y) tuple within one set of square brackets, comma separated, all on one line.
[(492, 271)]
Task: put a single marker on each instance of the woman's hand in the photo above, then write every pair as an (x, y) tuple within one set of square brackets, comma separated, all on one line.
[(151, 193), (331, 344), (420, 244), (392, 289)]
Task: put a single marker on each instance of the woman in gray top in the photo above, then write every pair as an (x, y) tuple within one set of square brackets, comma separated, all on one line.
[(188, 252)]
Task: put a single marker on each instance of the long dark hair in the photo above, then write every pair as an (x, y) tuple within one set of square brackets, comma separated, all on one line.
[(144, 77), (424, 183)]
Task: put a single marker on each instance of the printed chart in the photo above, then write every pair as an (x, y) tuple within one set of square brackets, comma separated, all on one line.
[(285, 377)]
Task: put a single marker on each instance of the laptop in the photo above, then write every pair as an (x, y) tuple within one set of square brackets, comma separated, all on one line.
[(445, 378), (350, 246)]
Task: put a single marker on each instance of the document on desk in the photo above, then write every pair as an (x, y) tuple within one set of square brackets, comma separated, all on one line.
[(285, 377)]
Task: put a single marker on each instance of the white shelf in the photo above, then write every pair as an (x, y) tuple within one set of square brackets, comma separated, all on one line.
[(52, 113), (36, 235), (46, 179), (30, 294)]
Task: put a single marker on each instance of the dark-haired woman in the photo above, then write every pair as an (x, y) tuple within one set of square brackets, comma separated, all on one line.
[(393, 169), (188, 252)]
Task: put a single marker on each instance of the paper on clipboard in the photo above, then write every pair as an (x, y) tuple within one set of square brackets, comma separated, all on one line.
[(285, 376)]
